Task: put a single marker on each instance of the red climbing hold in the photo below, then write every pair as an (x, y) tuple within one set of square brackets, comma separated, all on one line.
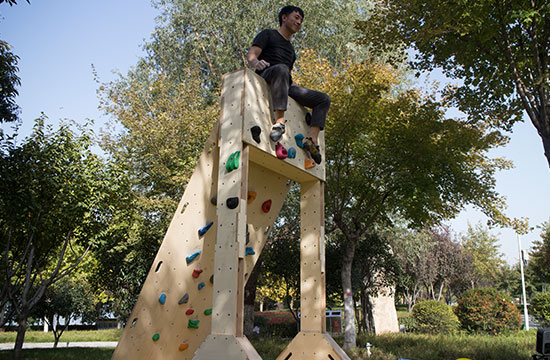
[(196, 273), (281, 152), (189, 312), (266, 206)]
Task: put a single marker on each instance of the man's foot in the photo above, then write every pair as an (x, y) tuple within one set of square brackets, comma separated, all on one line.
[(312, 149), (277, 132)]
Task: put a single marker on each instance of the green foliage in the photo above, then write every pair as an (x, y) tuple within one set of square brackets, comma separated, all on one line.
[(434, 317), (8, 83), (500, 50), (540, 308), (483, 247), (518, 345), (487, 310), (540, 256)]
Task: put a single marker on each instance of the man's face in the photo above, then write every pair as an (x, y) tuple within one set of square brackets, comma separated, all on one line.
[(293, 22)]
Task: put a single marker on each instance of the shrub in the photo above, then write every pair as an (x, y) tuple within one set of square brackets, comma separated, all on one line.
[(540, 308), (434, 317), (487, 310)]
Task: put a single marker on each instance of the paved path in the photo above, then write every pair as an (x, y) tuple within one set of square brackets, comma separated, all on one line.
[(88, 344)]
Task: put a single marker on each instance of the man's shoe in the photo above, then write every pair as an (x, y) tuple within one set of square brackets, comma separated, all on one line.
[(277, 132), (312, 149)]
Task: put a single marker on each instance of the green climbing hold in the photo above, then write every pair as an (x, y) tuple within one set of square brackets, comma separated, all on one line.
[(208, 312), (193, 324), (233, 161), (156, 337)]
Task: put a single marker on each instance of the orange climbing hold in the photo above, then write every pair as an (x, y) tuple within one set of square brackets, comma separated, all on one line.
[(183, 347), (251, 197), (309, 163)]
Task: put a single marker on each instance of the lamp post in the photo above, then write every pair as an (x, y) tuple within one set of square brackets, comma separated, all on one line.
[(525, 314)]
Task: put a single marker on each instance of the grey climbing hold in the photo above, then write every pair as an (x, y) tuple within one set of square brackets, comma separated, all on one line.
[(214, 200), (184, 299)]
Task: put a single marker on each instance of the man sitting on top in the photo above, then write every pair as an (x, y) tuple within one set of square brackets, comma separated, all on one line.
[(273, 56)]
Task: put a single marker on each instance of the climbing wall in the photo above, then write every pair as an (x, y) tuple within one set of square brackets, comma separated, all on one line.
[(191, 304)]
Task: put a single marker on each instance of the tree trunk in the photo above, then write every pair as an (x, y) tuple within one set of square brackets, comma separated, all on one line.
[(21, 329), (250, 297), (350, 336), (546, 145)]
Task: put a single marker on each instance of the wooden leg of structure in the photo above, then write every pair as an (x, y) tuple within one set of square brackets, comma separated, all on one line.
[(312, 342)]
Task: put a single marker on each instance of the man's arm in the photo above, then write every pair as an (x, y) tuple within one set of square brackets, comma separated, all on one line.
[(252, 58)]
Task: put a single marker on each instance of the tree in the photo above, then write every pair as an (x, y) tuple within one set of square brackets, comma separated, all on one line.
[(69, 299), (12, 2), (540, 256), (499, 49), (52, 193), (8, 82), (484, 249), (392, 152)]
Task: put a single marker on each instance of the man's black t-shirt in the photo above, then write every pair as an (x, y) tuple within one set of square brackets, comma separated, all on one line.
[(275, 48)]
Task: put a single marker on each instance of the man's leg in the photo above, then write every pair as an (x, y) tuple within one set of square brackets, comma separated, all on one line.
[(319, 103), (278, 78)]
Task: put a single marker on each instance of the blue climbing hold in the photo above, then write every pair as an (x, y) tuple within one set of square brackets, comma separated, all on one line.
[(201, 285), (299, 140), (192, 257), (250, 251), (204, 229), (291, 153), (162, 298)]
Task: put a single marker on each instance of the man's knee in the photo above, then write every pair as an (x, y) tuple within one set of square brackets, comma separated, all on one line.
[(280, 70), (326, 100)]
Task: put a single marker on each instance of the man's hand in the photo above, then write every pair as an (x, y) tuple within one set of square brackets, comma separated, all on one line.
[(253, 61), (261, 64)]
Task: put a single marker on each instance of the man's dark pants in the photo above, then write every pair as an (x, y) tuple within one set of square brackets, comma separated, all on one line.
[(278, 77)]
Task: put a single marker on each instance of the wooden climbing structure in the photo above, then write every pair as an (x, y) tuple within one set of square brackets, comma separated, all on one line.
[(191, 305)]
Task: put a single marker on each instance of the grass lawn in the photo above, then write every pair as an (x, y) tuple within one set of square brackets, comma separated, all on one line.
[(72, 336), (514, 346)]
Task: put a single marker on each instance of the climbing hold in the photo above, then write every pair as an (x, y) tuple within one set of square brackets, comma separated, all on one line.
[(208, 312), (183, 347), (292, 153), (162, 298), (193, 324), (309, 163), (256, 131), (249, 251), (212, 279), (251, 197), (196, 273), (189, 311), (232, 202), (247, 235), (156, 337), (233, 161), (184, 299), (192, 257), (299, 140), (201, 285), (214, 200), (204, 229), (280, 151), (266, 206), (308, 118)]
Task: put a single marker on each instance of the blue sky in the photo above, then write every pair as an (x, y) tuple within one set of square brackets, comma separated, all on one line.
[(59, 40)]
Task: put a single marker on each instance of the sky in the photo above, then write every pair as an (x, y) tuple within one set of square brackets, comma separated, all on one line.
[(58, 41)]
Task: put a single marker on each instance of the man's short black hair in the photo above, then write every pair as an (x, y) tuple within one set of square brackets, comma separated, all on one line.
[(287, 10)]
